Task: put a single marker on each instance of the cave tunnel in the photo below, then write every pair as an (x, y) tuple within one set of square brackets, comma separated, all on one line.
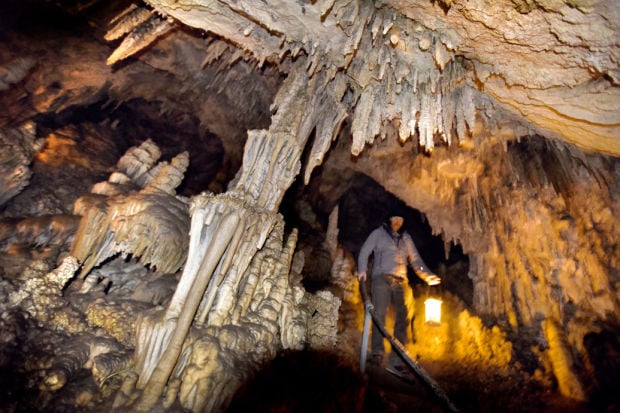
[(366, 205), (169, 181)]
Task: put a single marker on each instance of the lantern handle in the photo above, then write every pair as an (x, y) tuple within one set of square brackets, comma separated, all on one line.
[(437, 290)]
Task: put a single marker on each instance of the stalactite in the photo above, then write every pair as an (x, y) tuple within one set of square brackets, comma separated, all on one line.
[(140, 36), (128, 20), (441, 55), (406, 126), (237, 271), (426, 100), (328, 125), (271, 161), (468, 106), (448, 110), (373, 44), (359, 125), (427, 125)]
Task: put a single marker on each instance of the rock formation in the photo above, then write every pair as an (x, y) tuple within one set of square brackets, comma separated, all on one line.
[(18, 148)]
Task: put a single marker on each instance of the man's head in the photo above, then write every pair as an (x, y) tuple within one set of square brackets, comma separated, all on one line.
[(396, 222)]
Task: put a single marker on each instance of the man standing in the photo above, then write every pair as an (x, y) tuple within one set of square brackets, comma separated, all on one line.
[(392, 250)]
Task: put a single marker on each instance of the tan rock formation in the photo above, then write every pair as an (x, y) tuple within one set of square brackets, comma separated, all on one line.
[(141, 216), (18, 148)]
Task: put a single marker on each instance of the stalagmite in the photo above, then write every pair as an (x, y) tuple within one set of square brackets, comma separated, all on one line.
[(562, 362), (237, 271), (41, 295), (141, 216)]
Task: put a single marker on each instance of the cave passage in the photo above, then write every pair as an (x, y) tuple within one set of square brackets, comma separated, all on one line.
[(366, 205)]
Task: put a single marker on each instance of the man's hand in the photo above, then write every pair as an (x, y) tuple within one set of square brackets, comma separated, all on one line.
[(433, 280), (361, 276)]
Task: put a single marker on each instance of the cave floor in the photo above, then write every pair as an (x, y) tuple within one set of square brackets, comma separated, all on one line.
[(388, 393)]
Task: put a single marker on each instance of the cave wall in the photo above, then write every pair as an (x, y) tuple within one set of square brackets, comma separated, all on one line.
[(536, 218)]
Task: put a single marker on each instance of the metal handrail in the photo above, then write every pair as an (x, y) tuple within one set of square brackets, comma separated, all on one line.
[(419, 371)]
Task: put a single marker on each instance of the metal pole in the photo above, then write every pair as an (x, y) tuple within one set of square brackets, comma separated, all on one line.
[(368, 307), (422, 374)]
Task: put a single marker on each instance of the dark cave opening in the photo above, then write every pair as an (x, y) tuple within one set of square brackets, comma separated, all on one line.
[(363, 205), (175, 132), (131, 123), (366, 205)]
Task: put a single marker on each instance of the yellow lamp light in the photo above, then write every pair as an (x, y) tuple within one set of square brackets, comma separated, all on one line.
[(432, 310)]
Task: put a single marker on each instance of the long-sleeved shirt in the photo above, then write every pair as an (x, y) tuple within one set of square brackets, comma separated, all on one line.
[(392, 252)]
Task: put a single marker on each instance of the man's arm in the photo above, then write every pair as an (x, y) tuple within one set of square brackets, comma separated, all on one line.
[(418, 265), (362, 260)]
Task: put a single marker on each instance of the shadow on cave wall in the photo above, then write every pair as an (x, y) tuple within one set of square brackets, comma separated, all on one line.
[(603, 361)]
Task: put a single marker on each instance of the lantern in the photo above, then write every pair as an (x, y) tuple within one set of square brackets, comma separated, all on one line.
[(432, 310)]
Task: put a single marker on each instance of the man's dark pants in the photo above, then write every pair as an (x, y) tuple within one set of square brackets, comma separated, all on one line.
[(389, 289)]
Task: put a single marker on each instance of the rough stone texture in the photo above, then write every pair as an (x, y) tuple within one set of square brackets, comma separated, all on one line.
[(543, 59), (18, 148), (40, 296), (323, 322), (135, 212), (558, 53), (524, 228)]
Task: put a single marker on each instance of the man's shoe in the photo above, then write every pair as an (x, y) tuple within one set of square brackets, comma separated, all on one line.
[(400, 371)]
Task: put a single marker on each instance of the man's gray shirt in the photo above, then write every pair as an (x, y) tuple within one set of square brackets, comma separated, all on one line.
[(391, 252)]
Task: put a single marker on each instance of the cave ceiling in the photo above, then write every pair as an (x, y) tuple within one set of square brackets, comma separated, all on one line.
[(557, 73), (555, 55), (412, 77)]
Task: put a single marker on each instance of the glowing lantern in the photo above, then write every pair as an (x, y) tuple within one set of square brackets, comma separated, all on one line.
[(432, 310)]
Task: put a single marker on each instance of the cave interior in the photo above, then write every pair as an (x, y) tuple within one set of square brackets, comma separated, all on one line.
[(185, 187)]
